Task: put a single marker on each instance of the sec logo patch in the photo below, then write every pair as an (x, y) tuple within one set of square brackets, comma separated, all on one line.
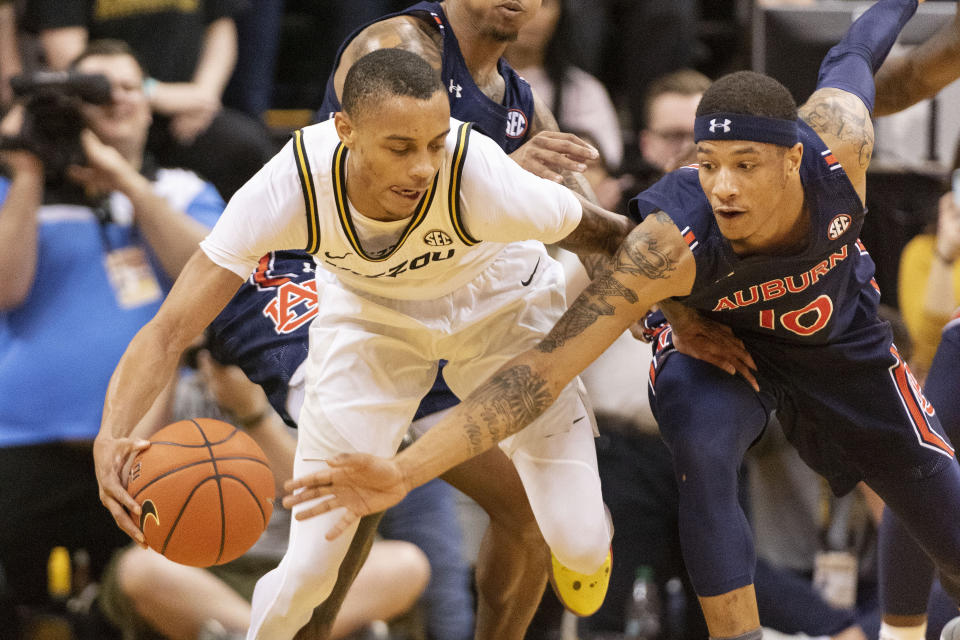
[(516, 123), (437, 238), (838, 225)]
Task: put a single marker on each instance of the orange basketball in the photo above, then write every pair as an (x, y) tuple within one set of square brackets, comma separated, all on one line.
[(205, 491)]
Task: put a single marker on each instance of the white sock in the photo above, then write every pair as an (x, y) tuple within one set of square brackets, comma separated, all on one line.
[(889, 632)]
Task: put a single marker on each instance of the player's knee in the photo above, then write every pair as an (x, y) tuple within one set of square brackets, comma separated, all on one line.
[(406, 563), (138, 571), (403, 565), (697, 462)]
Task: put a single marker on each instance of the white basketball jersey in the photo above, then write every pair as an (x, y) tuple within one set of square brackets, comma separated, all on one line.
[(479, 200), (434, 254)]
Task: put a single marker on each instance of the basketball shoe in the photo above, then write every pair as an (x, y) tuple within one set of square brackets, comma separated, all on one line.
[(581, 593)]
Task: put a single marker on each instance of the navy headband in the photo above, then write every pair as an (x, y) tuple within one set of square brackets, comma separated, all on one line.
[(740, 126)]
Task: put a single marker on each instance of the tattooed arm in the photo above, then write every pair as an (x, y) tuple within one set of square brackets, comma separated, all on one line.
[(562, 157), (597, 237), (654, 263), (842, 120)]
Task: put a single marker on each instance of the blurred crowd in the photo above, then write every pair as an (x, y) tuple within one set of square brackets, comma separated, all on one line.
[(99, 217)]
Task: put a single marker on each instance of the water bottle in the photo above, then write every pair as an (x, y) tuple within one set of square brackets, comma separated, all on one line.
[(642, 617)]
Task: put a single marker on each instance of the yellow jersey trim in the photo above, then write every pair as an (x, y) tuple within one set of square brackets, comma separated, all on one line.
[(339, 175), (456, 174), (309, 192)]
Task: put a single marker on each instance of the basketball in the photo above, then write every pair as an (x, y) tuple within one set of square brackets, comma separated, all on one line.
[(205, 490)]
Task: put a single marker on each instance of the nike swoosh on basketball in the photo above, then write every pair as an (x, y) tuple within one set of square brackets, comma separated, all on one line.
[(530, 279), (148, 510)]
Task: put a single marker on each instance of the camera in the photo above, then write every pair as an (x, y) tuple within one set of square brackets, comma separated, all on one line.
[(52, 121)]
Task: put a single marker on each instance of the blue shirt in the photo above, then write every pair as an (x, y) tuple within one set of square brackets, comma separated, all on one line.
[(59, 348)]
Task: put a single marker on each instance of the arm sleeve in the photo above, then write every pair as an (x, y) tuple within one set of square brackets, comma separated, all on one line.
[(502, 202), (851, 64), (265, 214)]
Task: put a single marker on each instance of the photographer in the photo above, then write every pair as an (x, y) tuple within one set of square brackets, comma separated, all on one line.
[(87, 256), (190, 49)]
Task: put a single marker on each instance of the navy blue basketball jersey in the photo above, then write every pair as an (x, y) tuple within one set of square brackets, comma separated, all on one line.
[(812, 297), (263, 329), (507, 123), (844, 395)]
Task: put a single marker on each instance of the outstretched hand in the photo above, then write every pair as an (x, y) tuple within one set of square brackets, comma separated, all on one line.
[(704, 339), (549, 153), (358, 482)]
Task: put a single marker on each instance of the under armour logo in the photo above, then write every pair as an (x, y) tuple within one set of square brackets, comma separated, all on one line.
[(455, 88), (714, 125)]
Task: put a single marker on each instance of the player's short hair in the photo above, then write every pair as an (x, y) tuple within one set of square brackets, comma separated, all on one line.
[(750, 93), (684, 82), (108, 47), (388, 72)]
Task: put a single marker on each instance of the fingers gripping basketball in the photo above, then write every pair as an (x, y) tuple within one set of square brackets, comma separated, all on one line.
[(205, 491)]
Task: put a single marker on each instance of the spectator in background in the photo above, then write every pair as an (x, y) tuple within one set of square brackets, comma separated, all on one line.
[(83, 275), (628, 43), (929, 280), (189, 52), (9, 52), (666, 140), (258, 38), (580, 102)]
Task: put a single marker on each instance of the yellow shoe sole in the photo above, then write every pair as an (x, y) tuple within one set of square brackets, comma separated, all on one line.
[(581, 593)]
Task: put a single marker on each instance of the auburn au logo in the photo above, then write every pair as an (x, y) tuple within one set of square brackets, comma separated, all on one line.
[(437, 238), (838, 225), (293, 306)]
